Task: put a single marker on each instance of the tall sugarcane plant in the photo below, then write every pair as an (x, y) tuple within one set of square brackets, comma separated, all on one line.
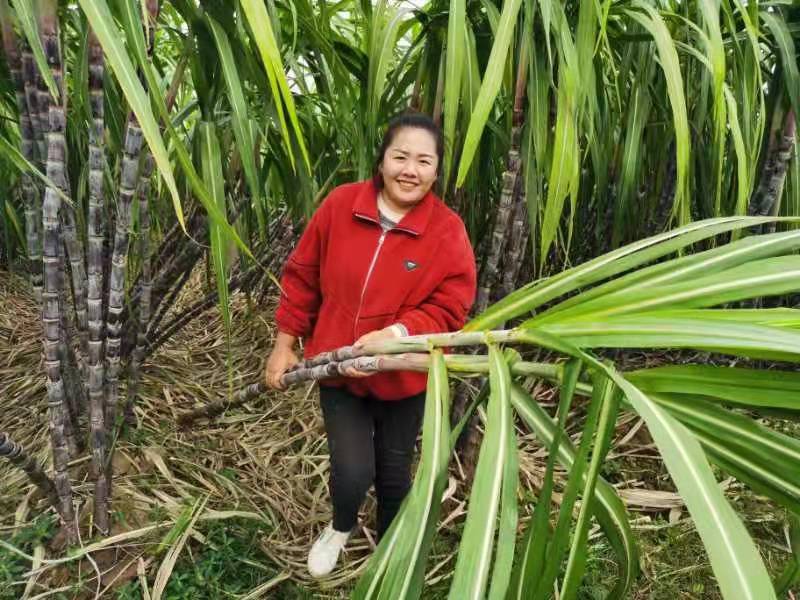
[(100, 317)]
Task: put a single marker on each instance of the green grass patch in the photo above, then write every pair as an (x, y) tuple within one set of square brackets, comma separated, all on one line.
[(229, 563), (12, 565)]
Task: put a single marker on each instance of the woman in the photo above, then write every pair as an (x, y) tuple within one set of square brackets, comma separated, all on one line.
[(379, 259)]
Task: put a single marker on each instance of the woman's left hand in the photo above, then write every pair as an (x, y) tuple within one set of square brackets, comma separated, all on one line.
[(386, 333)]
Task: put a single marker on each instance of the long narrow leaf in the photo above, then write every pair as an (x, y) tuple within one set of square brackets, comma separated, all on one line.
[(737, 564), (261, 26), (475, 551), (490, 86), (609, 509)]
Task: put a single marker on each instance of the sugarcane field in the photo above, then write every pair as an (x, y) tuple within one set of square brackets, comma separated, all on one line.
[(394, 300)]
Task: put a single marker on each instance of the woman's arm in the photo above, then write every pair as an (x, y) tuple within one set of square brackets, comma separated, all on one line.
[(280, 359), (300, 285), (300, 297)]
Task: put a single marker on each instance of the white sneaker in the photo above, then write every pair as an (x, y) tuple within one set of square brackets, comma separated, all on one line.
[(325, 551)]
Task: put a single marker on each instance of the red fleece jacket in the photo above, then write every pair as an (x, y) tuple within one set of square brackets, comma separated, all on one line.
[(346, 277)]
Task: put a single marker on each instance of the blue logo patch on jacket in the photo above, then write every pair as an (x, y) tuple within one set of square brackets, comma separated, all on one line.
[(410, 265)]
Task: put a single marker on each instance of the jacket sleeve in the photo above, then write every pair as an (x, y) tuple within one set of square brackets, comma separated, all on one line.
[(447, 307), (300, 282)]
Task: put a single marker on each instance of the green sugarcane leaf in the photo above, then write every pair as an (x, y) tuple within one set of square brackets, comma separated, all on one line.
[(103, 25), (492, 80), (684, 268), (397, 568), (609, 510), (405, 571), (744, 183), (566, 157), (618, 261), (788, 54), (261, 27), (471, 71), (734, 557), (475, 551), (761, 475), (561, 535), (670, 64), (791, 573), (214, 179), (747, 387), (239, 112), (695, 330), (576, 561), (26, 15), (776, 454), (757, 278), (531, 559), (716, 56), (13, 218), (509, 515), (384, 29), (456, 54), (631, 160), (746, 471), (15, 157)]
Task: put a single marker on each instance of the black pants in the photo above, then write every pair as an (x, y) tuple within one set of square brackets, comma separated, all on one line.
[(369, 440)]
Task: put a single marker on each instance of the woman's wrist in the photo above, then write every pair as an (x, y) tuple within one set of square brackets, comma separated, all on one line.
[(285, 341)]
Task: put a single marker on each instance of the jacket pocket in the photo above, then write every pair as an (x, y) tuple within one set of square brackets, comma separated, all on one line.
[(334, 328)]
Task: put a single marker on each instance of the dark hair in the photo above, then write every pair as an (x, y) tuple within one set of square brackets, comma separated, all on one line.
[(413, 120)]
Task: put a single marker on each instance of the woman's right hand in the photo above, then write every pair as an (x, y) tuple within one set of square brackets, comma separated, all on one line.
[(281, 359)]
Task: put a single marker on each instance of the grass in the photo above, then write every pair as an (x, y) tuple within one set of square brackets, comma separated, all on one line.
[(12, 566), (229, 562)]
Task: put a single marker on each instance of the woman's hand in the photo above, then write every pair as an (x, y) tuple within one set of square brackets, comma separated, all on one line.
[(281, 359), (386, 333)]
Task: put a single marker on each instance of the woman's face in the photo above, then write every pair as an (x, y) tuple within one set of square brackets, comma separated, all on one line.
[(409, 167)]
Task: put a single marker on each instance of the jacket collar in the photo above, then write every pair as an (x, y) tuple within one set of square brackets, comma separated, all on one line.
[(416, 220)]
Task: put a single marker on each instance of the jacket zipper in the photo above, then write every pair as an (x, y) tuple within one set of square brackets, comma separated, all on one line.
[(366, 279)]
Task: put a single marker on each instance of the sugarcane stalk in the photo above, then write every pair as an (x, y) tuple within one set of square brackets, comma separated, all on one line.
[(782, 156), (144, 246), (519, 230), (412, 344), (129, 175), (28, 147), (51, 317), (665, 199), (79, 284), (66, 357), (116, 288), (418, 362), (277, 253), (198, 308), (156, 338), (96, 235), (168, 302), (30, 76), (184, 260), (146, 286), (509, 236), (17, 456), (501, 225)]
